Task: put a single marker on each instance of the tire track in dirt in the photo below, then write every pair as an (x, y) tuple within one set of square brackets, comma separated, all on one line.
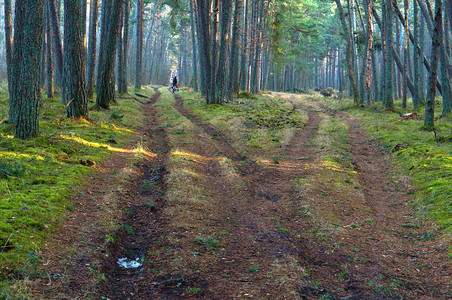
[(239, 215), (397, 247), (272, 183), (327, 264), (143, 221)]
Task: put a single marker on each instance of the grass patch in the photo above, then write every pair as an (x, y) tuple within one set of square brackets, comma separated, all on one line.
[(38, 177), (207, 243), (254, 126), (426, 158)]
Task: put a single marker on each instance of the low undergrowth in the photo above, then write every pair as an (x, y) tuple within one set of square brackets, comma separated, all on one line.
[(425, 155), (39, 176), (260, 125)]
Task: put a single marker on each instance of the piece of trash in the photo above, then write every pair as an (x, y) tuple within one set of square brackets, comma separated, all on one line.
[(129, 263), (302, 158)]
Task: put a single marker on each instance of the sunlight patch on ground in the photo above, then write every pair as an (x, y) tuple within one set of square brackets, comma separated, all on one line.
[(191, 156), (334, 166), (5, 154), (137, 150)]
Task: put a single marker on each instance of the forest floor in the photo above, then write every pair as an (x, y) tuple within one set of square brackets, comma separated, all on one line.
[(199, 219)]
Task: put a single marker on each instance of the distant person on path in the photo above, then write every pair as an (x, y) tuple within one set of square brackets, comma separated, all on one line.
[(175, 82)]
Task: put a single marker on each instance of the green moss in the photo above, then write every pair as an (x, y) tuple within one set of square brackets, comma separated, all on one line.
[(39, 176), (423, 154)]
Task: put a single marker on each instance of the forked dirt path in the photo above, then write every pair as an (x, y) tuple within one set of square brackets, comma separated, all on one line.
[(220, 225)]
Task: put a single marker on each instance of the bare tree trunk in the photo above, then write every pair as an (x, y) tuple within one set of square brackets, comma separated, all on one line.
[(233, 65), (405, 57), (139, 42), (125, 46), (106, 84), (49, 53), (226, 6), (29, 95), (14, 88), (429, 120), (194, 48), (57, 45), (351, 74), (74, 96), (91, 54), (388, 97), (8, 38)]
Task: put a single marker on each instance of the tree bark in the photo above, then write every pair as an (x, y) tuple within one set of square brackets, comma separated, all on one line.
[(91, 54), (429, 120), (205, 49), (233, 65), (388, 97), (416, 55), (125, 46), (49, 53), (139, 41), (14, 88), (8, 38), (57, 46), (226, 6), (106, 84), (74, 96), (194, 48), (351, 74), (29, 96)]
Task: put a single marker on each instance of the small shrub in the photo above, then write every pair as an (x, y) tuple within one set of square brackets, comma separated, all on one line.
[(207, 242), (247, 95)]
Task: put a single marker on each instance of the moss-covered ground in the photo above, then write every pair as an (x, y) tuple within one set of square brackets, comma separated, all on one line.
[(39, 176), (426, 156)]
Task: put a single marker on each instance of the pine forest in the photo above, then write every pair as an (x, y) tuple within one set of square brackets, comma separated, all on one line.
[(225, 149)]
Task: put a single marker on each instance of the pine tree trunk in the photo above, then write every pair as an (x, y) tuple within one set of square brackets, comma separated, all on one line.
[(91, 54), (105, 18), (445, 78), (421, 53), (8, 38), (405, 57), (226, 6), (139, 43), (125, 46), (199, 44), (14, 88), (56, 39), (351, 74), (29, 96), (119, 57), (42, 75), (416, 55), (49, 53), (74, 96), (233, 65), (194, 48), (106, 84), (205, 49), (388, 97), (429, 120), (243, 69)]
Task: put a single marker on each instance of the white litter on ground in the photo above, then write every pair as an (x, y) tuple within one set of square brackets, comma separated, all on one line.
[(129, 263)]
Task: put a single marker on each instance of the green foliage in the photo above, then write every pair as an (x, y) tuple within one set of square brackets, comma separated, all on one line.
[(38, 177), (247, 95), (274, 117), (207, 243), (428, 159)]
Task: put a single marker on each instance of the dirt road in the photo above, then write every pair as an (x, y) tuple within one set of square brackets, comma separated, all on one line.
[(329, 220)]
